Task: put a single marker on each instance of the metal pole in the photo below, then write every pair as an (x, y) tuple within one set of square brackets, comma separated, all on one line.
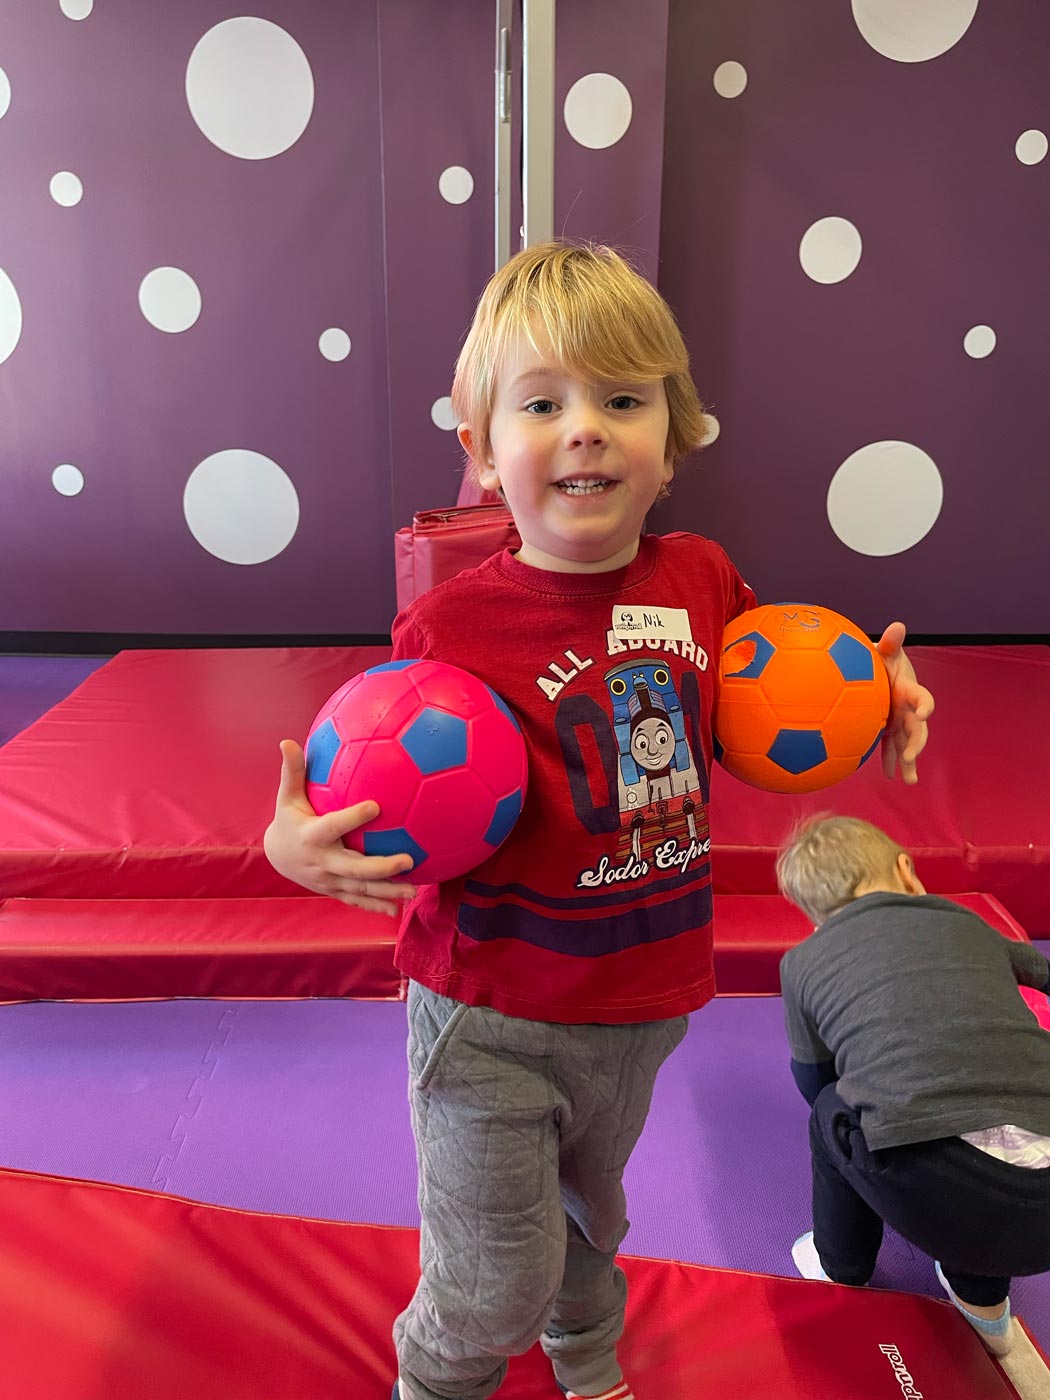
[(504, 20), (537, 192)]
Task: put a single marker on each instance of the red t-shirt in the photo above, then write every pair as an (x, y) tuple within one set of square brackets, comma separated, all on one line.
[(597, 907)]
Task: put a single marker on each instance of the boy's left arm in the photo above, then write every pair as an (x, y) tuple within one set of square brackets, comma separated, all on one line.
[(911, 705)]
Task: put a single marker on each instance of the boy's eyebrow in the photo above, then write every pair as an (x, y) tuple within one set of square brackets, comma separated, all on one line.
[(559, 372)]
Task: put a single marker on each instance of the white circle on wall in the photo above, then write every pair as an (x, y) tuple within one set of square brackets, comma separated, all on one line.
[(66, 189), (442, 416), (76, 9), (913, 31), (456, 184), (979, 342), (250, 88), (730, 79), (1031, 147), (241, 506), (830, 250), (597, 110), (67, 480), (334, 344), (169, 299), (5, 92), (713, 428), (10, 316), (885, 498)]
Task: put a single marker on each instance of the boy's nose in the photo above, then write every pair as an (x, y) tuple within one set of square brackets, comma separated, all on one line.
[(587, 432)]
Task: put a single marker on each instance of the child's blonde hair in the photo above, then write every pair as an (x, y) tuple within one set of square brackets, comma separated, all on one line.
[(827, 859), (585, 305)]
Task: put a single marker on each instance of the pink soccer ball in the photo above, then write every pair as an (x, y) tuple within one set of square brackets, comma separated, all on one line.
[(436, 748)]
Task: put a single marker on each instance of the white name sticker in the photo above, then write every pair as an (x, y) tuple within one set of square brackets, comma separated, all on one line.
[(640, 624)]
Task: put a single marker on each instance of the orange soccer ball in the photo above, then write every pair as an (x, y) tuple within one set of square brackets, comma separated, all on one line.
[(803, 698)]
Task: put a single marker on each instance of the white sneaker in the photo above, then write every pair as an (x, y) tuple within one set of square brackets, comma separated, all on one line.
[(807, 1260)]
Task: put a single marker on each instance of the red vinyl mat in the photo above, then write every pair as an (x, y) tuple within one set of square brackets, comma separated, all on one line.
[(134, 949), (156, 779), (111, 1292)]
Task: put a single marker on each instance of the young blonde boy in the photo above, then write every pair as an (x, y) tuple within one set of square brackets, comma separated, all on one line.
[(547, 987), (927, 1074)]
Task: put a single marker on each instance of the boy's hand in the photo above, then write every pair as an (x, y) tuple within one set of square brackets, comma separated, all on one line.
[(309, 849), (911, 705)]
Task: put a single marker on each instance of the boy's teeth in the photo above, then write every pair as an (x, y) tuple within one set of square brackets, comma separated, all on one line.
[(582, 488)]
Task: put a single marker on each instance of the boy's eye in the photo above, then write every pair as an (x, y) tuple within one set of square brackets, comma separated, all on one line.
[(540, 406), (622, 401)]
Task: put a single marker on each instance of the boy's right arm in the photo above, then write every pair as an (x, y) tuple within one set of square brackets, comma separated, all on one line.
[(1030, 967), (812, 1063), (309, 849)]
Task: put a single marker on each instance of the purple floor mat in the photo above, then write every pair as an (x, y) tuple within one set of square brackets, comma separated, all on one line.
[(299, 1108), (30, 685)]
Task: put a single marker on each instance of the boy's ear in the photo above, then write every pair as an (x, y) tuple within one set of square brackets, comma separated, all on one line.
[(906, 873), (488, 477)]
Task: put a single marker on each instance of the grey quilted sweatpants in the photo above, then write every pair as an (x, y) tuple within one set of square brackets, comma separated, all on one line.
[(523, 1130)]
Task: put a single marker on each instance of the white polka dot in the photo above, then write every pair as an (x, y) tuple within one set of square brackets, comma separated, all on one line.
[(250, 88), (76, 9), (240, 506), (730, 79), (442, 416), (1031, 147), (830, 250), (5, 92), (67, 480), (169, 299), (334, 344), (913, 31), (10, 316), (597, 110), (66, 189), (456, 184), (979, 341), (713, 427), (885, 498)]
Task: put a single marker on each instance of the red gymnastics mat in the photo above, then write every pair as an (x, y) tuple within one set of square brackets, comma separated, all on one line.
[(108, 1291), (156, 779), (137, 949)]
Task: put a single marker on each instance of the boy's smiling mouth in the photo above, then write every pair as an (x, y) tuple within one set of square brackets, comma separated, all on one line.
[(584, 486)]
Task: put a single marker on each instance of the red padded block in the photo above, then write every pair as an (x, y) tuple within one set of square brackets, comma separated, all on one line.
[(754, 931), (112, 1292), (978, 818), (156, 778), (135, 949)]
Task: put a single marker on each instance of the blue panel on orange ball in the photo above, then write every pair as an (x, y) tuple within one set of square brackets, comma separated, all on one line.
[(504, 817), (868, 754), (763, 652), (436, 741), (853, 658), (395, 841), (321, 751), (392, 666), (798, 750)]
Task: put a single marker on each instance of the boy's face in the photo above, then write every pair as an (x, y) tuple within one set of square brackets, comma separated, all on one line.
[(579, 463)]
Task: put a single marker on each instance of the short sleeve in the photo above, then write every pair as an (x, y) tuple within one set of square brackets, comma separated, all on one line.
[(805, 1042), (408, 638)]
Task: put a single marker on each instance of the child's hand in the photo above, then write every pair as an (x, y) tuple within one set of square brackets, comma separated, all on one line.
[(309, 849), (911, 705)]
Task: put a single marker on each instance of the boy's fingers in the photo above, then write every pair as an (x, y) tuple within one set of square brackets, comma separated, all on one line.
[(340, 823), (293, 771)]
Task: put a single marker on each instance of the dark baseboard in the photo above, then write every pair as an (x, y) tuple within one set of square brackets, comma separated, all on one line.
[(108, 643)]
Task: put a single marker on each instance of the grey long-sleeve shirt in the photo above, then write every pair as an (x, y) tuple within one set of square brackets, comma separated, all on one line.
[(915, 1001)]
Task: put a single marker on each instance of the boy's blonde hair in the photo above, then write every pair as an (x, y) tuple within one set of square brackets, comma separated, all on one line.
[(584, 304), (827, 859)]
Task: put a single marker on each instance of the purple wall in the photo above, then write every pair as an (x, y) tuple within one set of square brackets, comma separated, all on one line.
[(346, 228), (919, 156)]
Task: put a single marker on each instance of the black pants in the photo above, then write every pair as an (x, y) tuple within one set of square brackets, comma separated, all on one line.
[(985, 1220)]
